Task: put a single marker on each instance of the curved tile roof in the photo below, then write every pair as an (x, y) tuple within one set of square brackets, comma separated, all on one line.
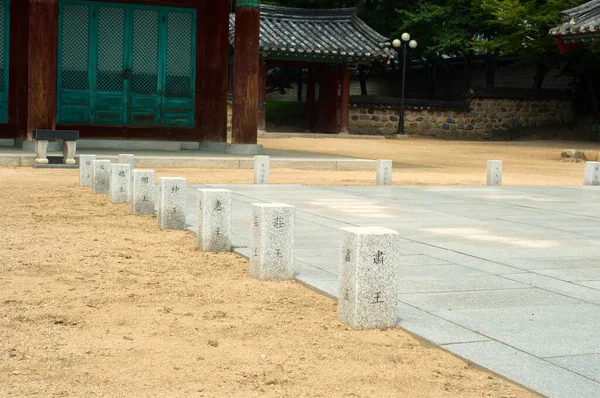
[(323, 35), (583, 19)]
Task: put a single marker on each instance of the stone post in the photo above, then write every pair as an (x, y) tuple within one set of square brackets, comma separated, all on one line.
[(172, 197), (127, 159), (100, 176), (272, 250), (130, 160), (214, 220), (368, 277), (494, 173), (85, 170), (591, 176), (261, 169), (41, 150), (384, 173), (120, 183), (143, 195)]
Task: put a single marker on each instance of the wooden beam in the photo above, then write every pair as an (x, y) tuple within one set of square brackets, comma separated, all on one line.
[(42, 53), (345, 99), (310, 100), (328, 102), (17, 72), (245, 90), (215, 70)]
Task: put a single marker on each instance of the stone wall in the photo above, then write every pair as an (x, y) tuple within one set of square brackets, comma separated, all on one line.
[(479, 118)]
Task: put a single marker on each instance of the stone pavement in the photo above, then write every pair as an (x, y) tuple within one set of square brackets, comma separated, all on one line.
[(506, 277)]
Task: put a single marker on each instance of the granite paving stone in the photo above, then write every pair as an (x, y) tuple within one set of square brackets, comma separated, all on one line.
[(528, 370), (585, 365), (506, 277), (543, 331), (485, 299)]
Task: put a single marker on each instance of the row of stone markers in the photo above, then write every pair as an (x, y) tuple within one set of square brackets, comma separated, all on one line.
[(591, 174), (368, 256), (262, 169)]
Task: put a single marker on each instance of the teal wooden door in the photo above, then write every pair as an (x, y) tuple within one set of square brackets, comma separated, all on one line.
[(110, 84), (138, 61), (178, 98), (4, 50)]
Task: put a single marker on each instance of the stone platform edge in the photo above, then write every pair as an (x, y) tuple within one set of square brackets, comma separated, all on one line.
[(141, 162)]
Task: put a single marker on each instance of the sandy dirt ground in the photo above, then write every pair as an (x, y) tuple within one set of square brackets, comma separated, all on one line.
[(436, 162), (96, 302)]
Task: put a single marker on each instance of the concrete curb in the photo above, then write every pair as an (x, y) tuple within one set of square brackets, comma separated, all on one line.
[(19, 160)]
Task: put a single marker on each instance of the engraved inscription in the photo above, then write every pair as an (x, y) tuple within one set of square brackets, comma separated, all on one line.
[(278, 223), (378, 257), (347, 258), (145, 180), (377, 298)]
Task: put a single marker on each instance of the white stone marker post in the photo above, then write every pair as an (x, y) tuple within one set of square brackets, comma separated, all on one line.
[(494, 173), (85, 170), (120, 183), (143, 196), (384, 173), (172, 203), (130, 160), (591, 176), (100, 176), (261, 169), (127, 159), (272, 250), (214, 220), (368, 277)]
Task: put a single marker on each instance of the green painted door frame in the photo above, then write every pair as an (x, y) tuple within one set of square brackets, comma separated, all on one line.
[(4, 58), (126, 64)]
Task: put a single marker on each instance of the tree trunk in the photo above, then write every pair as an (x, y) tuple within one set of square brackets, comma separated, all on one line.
[(362, 77), (541, 72), (490, 77)]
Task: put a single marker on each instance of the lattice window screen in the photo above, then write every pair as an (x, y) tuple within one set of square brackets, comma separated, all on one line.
[(111, 28), (179, 53), (3, 34), (74, 47), (145, 51)]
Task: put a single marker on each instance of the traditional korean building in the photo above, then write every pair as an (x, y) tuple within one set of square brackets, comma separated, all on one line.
[(579, 25), (127, 69), (331, 41)]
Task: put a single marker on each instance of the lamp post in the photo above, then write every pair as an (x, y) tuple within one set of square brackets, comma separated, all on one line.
[(405, 43)]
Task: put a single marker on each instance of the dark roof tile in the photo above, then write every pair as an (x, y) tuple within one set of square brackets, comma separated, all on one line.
[(317, 31), (581, 19)]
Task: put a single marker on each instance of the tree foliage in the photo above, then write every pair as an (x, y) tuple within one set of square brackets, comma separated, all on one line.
[(447, 29)]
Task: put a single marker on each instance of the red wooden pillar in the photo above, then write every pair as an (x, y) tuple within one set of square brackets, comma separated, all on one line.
[(215, 74), (41, 74), (345, 99), (310, 100), (262, 95), (328, 102), (245, 90)]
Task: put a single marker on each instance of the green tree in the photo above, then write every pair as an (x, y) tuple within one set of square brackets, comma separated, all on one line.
[(521, 27)]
